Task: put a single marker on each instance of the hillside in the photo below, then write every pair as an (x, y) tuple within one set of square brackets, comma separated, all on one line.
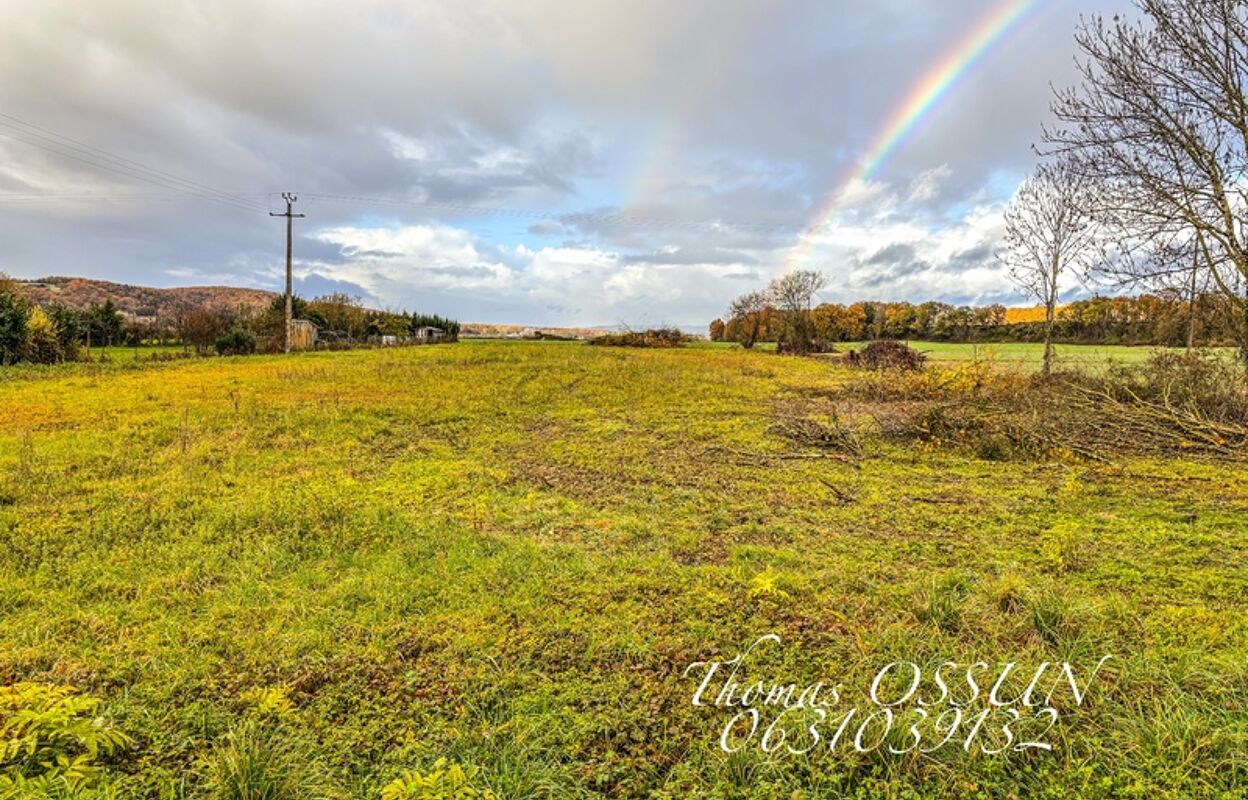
[(148, 301), (142, 301)]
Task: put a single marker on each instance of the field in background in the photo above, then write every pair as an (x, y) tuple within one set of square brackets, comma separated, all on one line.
[(124, 354), (1030, 356), (1026, 356), (506, 554)]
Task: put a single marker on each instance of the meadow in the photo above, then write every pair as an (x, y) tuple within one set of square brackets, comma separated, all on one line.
[(1020, 356), (343, 567)]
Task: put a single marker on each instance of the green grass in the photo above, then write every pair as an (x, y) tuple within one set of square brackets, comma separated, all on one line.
[(505, 555), (1029, 356), (139, 353), (1026, 356)]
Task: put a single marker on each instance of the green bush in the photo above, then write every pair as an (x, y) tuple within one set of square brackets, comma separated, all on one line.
[(237, 341), (14, 311)]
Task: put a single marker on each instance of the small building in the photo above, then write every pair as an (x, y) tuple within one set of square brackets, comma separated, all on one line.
[(302, 334), (429, 334)]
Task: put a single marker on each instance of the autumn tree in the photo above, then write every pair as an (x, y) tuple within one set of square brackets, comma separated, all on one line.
[(793, 295), (343, 314), (42, 346), (750, 308), (1048, 234), (1159, 126), (201, 327), (14, 312)]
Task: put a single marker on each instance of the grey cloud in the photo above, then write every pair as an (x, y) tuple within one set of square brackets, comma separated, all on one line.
[(316, 285), (978, 256), (892, 254), (742, 118)]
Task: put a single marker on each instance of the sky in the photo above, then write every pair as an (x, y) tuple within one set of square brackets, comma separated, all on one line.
[(544, 162)]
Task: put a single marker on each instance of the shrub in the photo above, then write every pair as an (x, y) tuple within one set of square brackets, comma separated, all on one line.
[(813, 347), (237, 341), (14, 311), (42, 345), (887, 354), (654, 337), (70, 328), (51, 736)]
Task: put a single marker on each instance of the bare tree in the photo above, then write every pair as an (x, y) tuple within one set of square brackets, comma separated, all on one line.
[(1185, 277), (793, 294), (1048, 235), (749, 308), (1159, 124)]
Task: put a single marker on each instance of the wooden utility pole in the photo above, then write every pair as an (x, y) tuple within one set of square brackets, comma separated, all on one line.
[(290, 199)]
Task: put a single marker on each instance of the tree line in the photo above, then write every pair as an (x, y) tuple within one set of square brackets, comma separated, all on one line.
[(1165, 318), (49, 333)]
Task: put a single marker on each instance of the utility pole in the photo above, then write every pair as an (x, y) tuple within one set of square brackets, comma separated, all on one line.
[(290, 199)]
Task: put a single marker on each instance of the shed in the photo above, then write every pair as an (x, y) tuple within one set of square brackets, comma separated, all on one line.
[(429, 334), (302, 334)]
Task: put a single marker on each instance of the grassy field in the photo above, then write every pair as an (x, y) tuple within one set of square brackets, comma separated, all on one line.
[(348, 565), (141, 353), (1025, 356)]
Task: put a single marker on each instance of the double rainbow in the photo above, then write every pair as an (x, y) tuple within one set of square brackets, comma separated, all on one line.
[(925, 96)]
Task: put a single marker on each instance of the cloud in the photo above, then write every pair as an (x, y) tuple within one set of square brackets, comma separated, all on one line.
[(651, 159), (407, 265), (312, 284)]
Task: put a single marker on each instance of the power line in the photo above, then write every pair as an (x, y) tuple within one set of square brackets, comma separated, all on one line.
[(572, 217), (29, 133), (135, 167), (35, 196), (130, 173), (68, 147)]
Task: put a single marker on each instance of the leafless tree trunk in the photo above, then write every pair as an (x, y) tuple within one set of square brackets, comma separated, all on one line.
[(1047, 235), (1159, 125), (1192, 297)]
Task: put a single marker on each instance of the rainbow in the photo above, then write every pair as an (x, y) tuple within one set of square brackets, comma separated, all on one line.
[(704, 74), (923, 97)]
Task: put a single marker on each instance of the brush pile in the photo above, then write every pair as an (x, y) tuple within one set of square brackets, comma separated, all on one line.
[(654, 337), (887, 354), (1194, 405)]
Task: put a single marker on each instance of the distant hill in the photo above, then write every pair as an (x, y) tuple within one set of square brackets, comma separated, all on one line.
[(142, 301), (149, 302)]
